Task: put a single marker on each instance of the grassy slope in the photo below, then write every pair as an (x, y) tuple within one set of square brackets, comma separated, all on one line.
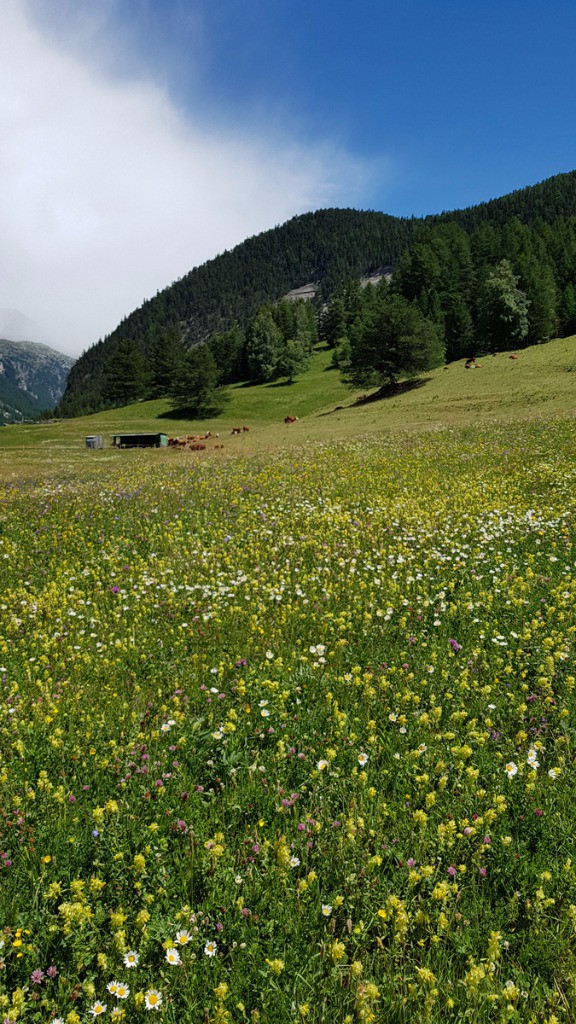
[(540, 383)]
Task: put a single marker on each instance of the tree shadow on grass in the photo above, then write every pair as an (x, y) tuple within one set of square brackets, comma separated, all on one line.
[(387, 391), (185, 413)]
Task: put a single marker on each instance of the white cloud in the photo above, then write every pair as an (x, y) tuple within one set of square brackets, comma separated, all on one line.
[(108, 192)]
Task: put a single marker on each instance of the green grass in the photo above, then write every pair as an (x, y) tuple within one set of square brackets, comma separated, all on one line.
[(311, 700), (540, 384)]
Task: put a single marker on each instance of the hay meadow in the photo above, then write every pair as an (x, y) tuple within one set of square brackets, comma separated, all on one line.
[(287, 729)]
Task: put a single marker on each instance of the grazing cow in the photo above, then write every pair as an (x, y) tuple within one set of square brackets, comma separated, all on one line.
[(236, 430), (290, 419), (197, 447), (245, 430), (513, 356)]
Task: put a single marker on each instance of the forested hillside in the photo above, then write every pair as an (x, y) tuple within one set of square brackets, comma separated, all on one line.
[(442, 265)]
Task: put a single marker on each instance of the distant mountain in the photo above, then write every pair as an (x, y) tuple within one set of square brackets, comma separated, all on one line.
[(32, 379), (16, 326), (319, 250)]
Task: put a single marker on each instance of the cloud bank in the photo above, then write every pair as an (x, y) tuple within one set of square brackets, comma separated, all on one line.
[(108, 193)]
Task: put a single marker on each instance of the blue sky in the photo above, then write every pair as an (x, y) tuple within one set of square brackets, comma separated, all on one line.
[(147, 136), (450, 103)]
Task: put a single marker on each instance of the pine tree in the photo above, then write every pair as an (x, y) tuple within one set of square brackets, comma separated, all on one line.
[(503, 310), (263, 344), (398, 341), (166, 357), (292, 359), (125, 380), (194, 388)]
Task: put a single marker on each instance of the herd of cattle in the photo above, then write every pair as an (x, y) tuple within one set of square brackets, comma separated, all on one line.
[(195, 442)]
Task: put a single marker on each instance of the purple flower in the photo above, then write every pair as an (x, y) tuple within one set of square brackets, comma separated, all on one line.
[(52, 971), (455, 645), (451, 871), (36, 976)]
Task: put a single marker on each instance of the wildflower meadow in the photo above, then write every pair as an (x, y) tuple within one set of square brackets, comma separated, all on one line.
[(290, 737)]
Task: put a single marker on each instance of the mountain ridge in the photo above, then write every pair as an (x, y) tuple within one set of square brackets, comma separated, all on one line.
[(324, 246), (32, 378)]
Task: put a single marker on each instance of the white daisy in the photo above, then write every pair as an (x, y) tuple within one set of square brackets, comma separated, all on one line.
[(153, 999)]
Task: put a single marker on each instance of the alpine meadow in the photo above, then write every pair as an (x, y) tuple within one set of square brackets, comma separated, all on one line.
[(289, 716)]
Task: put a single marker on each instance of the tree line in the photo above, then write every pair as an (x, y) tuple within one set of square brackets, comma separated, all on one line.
[(498, 275), (456, 295)]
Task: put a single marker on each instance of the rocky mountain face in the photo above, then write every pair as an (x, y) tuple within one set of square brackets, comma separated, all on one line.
[(32, 379)]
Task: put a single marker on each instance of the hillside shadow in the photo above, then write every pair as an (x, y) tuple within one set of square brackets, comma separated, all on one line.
[(392, 391), (388, 391), (280, 384), (185, 413)]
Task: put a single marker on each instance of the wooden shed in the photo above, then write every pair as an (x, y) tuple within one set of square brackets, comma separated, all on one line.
[(140, 440)]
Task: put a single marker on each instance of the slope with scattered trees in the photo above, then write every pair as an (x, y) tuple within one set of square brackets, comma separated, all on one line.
[(447, 267)]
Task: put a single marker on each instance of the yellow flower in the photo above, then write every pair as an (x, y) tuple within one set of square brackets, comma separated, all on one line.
[(276, 966)]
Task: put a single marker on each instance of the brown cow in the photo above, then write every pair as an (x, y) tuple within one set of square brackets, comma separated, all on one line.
[(290, 419), (245, 430), (236, 430)]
